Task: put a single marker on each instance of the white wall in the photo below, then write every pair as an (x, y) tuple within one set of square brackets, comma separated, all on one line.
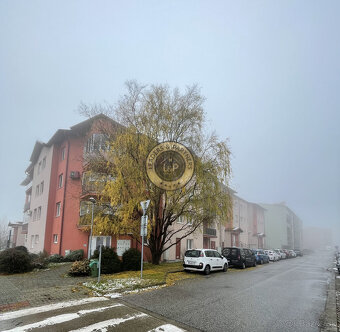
[(36, 229)]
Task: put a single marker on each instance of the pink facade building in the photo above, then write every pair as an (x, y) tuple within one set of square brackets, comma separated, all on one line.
[(57, 195)]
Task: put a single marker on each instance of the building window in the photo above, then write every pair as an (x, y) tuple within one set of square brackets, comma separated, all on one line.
[(35, 215), (39, 213), (41, 187), (36, 239), (58, 205), (97, 142), (37, 190), (63, 153), (55, 238), (180, 220), (60, 181), (85, 208), (43, 163), (190, 243), (39, 167), (32, 241)]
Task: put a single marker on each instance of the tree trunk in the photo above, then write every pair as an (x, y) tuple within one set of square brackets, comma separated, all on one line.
[(156, 257)]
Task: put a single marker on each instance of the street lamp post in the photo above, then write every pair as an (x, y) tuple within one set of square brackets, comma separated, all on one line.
[(93, 201), (143, 231)]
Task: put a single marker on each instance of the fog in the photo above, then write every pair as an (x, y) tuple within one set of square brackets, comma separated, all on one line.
[(269, 71)]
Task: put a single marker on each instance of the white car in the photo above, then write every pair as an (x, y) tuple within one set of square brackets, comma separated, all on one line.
[(282, 253), (204, 260), (277, 255), (272, 255)]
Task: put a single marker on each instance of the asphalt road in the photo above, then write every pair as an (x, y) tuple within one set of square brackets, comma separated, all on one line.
[(86, 315), (289, 295)]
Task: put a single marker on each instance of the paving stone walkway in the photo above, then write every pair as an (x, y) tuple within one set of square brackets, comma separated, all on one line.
[(40, 287)]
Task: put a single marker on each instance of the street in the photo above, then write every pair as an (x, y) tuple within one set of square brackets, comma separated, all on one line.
[(84, 315), (289, 295)]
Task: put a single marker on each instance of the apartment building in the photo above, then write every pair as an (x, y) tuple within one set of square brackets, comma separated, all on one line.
[(57, 205), (245, 229), (283, 227), (56, 197), (17, 235)]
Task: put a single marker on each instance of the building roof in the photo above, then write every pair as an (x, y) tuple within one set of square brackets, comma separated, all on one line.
[(59, 136)]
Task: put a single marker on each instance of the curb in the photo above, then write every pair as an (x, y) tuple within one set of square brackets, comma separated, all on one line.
[(329, 319)]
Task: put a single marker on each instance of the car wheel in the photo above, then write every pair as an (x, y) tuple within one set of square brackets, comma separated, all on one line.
[(207, 270), (243, 266), (261, 262), (254, 264), (225, 268)]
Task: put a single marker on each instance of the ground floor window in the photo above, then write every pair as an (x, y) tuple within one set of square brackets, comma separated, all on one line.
[(100, 240), (189, 244), (55, 238)]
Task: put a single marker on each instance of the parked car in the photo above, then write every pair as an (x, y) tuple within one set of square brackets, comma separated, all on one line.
[(272, 256), (260, 256), (292, 253), (241, 257), (298, 252), (277, 256), (204, 260), (283, 254), (288, 255), (277, 252)]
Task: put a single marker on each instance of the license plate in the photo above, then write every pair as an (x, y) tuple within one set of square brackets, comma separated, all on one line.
[(191, 262)]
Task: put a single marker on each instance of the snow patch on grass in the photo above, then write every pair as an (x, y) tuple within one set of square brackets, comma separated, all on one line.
[(115, 286)]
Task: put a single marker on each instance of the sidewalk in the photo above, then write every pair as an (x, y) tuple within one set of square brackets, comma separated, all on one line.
[(330, 321), (337, 294), (40, 288)]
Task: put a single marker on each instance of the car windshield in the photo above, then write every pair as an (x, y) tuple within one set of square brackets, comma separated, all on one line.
[(228, 252), (192, 253)]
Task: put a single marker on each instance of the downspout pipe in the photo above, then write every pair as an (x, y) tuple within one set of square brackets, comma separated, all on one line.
[(64, 196)]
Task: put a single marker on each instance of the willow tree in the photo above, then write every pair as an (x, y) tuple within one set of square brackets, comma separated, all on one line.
[(151, 115)]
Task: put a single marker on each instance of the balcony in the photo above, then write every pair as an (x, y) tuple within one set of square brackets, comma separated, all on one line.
[(84, 223), (209, 232), (93, 184), (27, 206)]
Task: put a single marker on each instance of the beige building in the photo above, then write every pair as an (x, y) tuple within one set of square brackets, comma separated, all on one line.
[(246, 229), (37, 194), (18, 234)]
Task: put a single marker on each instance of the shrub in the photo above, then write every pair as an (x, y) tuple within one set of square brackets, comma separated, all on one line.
[(39, 261), (75, 255), (22, 248), (131, 260), (15, 261), (80, 268), (55, 258), (110, 262)]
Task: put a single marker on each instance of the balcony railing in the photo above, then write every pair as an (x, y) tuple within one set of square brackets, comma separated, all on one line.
[(27, 206), (94, 183)]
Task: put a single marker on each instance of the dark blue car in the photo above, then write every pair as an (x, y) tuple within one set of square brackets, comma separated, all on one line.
[(261, 257)]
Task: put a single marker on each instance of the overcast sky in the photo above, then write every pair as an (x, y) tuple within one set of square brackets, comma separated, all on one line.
[(270, 71)]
